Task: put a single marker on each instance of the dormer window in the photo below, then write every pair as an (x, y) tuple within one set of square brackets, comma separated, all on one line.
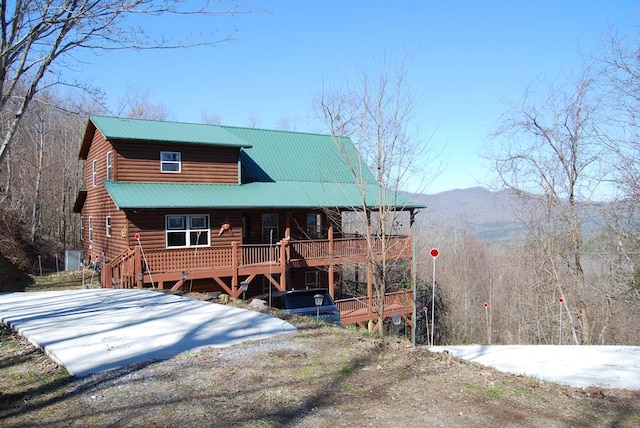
[(170, 162)]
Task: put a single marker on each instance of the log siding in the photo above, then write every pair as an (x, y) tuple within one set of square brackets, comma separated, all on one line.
[(140, 161)]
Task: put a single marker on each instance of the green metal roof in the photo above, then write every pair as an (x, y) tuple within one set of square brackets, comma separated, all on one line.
[(279, 169), (296, 156), (288, 194), (118, 128)]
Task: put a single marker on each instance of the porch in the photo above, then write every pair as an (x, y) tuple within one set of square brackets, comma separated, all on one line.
[(227, 267)]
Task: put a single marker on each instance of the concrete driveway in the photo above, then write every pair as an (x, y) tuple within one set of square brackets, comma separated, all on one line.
[(89, 331)]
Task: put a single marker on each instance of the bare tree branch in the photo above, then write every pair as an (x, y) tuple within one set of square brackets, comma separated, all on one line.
[(37, 34)]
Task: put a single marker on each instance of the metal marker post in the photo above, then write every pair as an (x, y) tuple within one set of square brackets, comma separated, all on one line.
[(434, 254), (486, 314), (560, 333), (426, 321)]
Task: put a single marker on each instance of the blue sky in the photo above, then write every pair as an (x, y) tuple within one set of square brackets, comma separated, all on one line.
[(467, 60)]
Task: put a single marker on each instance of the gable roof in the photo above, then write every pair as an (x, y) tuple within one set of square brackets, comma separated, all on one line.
[(298, 156), (279, 169), (120, 128)]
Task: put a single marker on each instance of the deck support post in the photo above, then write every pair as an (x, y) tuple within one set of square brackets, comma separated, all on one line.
[(234, 269), (137, 267), (331, 266), (284, 263)]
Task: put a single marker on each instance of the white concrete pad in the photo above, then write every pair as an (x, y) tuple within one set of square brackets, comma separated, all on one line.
[(89, 331), (605, 366)]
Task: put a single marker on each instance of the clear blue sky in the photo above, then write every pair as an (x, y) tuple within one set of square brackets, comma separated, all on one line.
[(468, 59)]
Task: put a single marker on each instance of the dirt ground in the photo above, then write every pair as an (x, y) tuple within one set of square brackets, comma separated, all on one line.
[(320, 376)]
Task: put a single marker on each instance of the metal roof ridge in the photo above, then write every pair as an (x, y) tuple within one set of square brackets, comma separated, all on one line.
[(180, 122), (318, 134)]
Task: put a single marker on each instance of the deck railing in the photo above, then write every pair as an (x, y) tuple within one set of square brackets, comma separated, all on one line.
[(359, 309), (130, 269)]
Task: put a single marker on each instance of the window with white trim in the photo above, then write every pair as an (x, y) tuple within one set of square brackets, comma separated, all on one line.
[(187, 231), (269, 227), (82, 228), (108, 226), (109, 164), (94, 173), (170, 162), (90, 228)]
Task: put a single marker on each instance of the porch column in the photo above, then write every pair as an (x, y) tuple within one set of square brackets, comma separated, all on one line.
[(234, 269), (284, 263), (331, 282), (331, 265), (137, 267)]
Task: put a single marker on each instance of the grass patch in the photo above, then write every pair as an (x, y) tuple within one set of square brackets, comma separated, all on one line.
[(279, 396), (492, 392), (65, 280)]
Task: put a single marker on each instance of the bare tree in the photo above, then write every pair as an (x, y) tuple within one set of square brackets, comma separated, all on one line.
[(36, 35), (552, 153), (621, 66), (136, 103), (378, 112), (253, 121), (287, 124), (210, 118)]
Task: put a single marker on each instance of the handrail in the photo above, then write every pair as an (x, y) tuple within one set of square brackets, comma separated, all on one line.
[(129, 270), (357, 309)]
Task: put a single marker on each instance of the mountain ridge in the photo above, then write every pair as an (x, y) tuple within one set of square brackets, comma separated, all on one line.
[(489, 215)]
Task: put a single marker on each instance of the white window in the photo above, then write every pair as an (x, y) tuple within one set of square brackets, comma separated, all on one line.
[(90, 228), (312, 279), (269, 227), (187, 231), (108, 225), (109, 162), (170, 162), (94, 174), (82, 228)]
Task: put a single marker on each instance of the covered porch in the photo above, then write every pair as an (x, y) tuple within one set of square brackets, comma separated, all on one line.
[(228, 267)]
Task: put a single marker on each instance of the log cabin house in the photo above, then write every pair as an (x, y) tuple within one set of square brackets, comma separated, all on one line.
[(200, 207)]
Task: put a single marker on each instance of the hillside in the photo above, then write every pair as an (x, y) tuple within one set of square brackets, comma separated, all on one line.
[(488, 215)]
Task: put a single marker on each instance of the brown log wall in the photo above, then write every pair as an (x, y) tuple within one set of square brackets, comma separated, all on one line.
[(140, 161)]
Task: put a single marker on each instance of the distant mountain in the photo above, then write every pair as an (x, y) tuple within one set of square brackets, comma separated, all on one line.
[(488, 215)]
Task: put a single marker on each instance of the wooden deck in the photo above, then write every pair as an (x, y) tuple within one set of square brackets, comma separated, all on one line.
[(228, 265), (361, 310)]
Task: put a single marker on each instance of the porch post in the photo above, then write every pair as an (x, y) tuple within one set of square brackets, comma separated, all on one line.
[(331, 265), (234, 269), (284, 263), (137, 267)]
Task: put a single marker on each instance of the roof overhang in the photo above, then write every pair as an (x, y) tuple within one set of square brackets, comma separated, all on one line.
[(79, 203), (281, 195)]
